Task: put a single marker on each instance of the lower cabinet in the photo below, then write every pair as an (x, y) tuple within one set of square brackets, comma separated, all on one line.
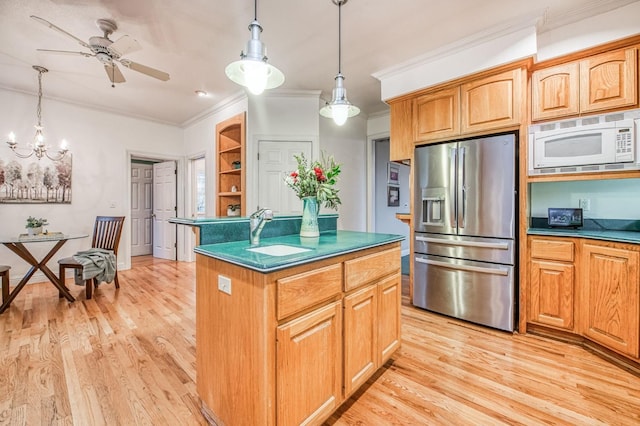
[(371, 330), (389, 302), (309, 370), (360, 337), (552, 272), (587, 287), (610, 294)]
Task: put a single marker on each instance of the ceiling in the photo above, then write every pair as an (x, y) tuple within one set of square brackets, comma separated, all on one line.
[(194, 40)]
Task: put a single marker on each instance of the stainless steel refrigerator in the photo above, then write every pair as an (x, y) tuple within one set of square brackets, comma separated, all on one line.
[(465, 230)]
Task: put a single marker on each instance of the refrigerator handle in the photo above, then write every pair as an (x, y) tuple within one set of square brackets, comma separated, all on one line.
[(462, 190), (470, 268), (452, 187)]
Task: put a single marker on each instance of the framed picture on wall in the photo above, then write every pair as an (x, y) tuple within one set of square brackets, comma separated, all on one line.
[(393, 196), (393, 173)]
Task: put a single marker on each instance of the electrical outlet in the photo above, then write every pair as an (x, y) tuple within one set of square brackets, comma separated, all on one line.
[(224, 284), (584, 204)]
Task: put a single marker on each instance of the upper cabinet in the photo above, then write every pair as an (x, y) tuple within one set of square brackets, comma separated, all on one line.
[(401, 135), (230, 162), (437, 114), (555, 91), (598, 83), (609, 81), (492, 102)]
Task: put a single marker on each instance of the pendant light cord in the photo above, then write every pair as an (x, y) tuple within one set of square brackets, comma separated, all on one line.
[(339, 37), (255, 10)]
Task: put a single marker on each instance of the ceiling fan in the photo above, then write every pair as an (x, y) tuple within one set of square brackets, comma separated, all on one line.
[(107, 51)]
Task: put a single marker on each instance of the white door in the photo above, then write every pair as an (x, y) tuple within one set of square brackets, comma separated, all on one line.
[(275, 161), (164, 208), (141, 209)]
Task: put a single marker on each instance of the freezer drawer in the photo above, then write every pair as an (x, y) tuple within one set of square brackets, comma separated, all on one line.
[(479, 292), (492, 250)]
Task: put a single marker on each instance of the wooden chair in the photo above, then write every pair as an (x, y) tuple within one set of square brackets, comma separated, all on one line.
[(4, 273), (106, 235)]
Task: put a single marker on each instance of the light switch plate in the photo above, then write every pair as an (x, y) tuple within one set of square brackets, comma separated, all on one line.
[(224, 284)]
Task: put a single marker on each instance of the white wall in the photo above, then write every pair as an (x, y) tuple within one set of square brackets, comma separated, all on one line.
[(600, 29), (347, 143), (610, 199), (99, 142), (279, 115), (503, 45)]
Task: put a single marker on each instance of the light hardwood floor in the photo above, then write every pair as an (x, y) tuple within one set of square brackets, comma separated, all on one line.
[(128, 357)]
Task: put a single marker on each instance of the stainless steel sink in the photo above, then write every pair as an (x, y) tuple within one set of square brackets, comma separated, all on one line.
[(278, 250)]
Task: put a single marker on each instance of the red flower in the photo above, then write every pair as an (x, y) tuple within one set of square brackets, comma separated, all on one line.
[(294, 174)]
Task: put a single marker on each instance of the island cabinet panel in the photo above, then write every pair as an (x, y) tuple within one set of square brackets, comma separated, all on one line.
[(555, 91), (364, 269), (309, 367), (608, 81), (284, 347), (231, 354), (610, 293), (492, 102), (552, 282), (360, 337), (389, 302), (401, 130), (301, 291), (437, 115)]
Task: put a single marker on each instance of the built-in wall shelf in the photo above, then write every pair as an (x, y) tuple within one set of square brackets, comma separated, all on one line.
[(230, 157)]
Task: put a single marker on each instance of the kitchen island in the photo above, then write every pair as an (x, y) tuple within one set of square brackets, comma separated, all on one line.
[(286, 333)]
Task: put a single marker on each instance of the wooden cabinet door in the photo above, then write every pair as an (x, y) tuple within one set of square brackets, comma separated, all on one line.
[(389, 302), (610, 287), (608, 81), (309, 367), (555, 91), (552, 293), (492, 102), (360, 337), (437, 115), (401, 134)]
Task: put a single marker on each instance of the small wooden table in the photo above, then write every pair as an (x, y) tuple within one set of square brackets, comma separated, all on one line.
[(17, 245)]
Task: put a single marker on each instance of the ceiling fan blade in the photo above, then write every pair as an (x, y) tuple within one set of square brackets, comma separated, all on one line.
[(60, 30), (114, 73), (124, 45), (66, 52), (151, 72)]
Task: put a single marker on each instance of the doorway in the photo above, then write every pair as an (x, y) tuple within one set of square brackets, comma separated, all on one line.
[(153, 201), (390, 193)]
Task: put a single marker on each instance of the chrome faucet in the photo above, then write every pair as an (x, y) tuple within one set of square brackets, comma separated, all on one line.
[(256, 223)]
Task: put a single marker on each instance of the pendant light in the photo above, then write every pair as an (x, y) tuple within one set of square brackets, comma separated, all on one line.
[(339, 108), (252, 70)]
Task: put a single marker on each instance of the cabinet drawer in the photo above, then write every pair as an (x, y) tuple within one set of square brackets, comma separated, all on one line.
[(298, 292), (371, 267), (552, 250)]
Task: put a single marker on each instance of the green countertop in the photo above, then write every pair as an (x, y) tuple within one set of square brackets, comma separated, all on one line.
[(329, 244), (606, 235)]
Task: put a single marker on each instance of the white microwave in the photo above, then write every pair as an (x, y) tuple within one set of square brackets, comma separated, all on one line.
[(587, 144)]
